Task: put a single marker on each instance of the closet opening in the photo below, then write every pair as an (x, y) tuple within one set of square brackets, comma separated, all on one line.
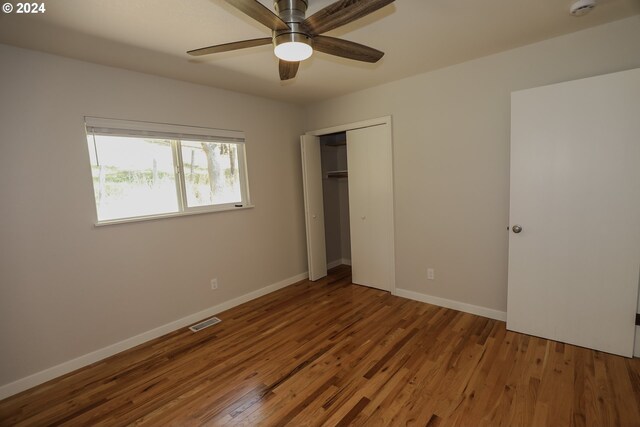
[(347, 181), (335, 190)]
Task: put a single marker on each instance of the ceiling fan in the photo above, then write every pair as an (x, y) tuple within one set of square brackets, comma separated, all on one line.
[(295, 38)]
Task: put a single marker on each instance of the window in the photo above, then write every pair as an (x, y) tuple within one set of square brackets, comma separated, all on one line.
[(148, 170)]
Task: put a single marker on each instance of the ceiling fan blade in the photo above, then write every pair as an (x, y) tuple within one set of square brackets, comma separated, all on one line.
[(346, 49), (260, 13), (340, 13), (288, 70), (230, 46)]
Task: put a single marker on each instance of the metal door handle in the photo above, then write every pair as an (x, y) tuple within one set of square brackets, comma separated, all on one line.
[(516, 229)]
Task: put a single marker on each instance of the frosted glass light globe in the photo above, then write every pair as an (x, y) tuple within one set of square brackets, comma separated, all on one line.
[(293, 51)]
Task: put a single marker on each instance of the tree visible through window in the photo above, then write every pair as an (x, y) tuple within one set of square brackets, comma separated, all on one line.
[(140, 176), (211, 173)]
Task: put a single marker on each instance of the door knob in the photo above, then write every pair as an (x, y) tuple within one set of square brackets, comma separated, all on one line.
[(516, 229)]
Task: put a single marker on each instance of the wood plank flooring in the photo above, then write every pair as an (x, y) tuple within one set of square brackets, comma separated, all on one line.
[(333, 353)]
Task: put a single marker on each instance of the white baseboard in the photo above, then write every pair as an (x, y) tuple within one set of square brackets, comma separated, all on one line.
[(87, 359), (455, 305), (334, 264), (342, 261)]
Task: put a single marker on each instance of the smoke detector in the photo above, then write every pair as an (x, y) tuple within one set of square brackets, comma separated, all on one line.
[(582, 7)]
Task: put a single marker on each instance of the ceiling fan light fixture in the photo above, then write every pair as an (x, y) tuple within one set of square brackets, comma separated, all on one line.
[(292, 47), (295, 36)]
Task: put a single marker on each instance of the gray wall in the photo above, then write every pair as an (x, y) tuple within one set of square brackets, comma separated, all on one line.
[(451, 154), (68, 288)]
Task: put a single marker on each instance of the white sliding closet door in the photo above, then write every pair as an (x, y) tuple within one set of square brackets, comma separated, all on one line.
[(369, 159), (574, 246), (313, 206)]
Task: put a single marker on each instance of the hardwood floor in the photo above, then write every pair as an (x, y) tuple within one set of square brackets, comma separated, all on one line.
[(334, 353)]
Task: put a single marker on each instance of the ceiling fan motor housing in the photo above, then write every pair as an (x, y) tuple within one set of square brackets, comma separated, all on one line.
[(293, 13)]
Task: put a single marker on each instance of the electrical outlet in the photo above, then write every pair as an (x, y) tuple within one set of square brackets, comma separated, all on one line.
[(214, 284), (431, 274)]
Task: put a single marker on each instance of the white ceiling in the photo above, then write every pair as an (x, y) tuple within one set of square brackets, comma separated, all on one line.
[(152, 36)]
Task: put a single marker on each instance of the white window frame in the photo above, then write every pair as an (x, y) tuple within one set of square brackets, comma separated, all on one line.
[(137, 129)]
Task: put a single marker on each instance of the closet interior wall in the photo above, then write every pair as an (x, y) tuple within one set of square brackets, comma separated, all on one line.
[(335, 188)]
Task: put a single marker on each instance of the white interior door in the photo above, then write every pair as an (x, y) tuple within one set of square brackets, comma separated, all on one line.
[(575, 192), (370, 165), (313, 206)]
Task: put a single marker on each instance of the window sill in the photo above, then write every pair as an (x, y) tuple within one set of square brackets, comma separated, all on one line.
[(169, 215)]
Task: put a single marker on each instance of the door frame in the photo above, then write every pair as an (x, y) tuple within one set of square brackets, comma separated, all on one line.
[(387, 122)]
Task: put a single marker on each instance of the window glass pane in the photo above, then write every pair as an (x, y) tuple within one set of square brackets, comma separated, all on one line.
[(132, 176), (211, 173)]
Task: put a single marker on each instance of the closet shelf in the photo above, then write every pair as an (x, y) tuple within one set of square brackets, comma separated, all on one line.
[(337, 174), (336, 143)]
